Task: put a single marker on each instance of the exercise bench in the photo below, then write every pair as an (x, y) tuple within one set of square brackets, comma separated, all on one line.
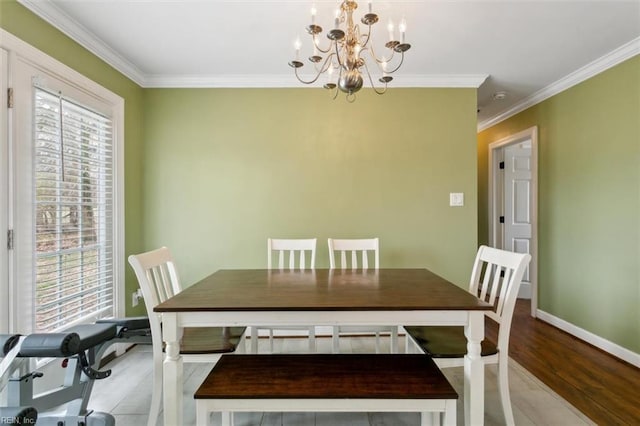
[(82, 347), (325, 383)]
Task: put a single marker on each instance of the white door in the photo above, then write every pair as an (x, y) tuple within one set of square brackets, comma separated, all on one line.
[(517, 204)]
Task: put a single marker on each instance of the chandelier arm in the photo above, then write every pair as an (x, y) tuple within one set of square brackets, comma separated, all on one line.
[(335, 93), (325, 65), (307, 82), (380, 91), (372, 53), (399, 65), (373, 86), (366, 36), (317, 45)]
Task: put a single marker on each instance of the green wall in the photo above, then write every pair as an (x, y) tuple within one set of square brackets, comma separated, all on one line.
[(589, 201), (227, 168), (213, 173), (19, 21)]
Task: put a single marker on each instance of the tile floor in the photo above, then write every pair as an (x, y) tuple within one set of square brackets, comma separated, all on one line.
[(127, 394)]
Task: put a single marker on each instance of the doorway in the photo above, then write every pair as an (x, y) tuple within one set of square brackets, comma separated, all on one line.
[(513, 202)]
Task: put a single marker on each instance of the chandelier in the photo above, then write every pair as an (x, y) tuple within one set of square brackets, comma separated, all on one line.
[(347, 50)]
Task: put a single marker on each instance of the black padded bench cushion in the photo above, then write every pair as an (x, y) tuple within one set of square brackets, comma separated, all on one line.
[(93, 334), (330, 376), (54, 345), (7, 342), (132, 323), (74, 340)]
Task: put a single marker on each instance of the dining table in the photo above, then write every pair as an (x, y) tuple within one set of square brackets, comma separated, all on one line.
[(322, 297)]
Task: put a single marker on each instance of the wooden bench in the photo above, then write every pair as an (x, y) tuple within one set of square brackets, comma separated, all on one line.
[(325, 382)]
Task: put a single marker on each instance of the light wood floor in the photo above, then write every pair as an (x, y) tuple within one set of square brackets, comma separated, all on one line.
[(127, 394)]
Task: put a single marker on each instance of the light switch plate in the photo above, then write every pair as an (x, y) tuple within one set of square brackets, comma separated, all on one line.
[(456, 199)]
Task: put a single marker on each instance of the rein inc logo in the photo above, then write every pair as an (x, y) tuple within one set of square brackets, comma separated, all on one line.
[(17, 420)]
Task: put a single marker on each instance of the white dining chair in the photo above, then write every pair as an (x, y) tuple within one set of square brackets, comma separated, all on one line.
[(158, 279), (495, 278), (349, 250), (288, 248)]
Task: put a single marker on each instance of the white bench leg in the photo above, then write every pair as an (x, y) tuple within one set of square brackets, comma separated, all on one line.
[(335, 340), (254, 340), (426, 419), (450, 413), (202, 415), (394, 342), (312, 340), (227, 418)]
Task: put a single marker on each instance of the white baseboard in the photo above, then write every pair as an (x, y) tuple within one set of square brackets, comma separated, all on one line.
[(524, 292), (597, 341)]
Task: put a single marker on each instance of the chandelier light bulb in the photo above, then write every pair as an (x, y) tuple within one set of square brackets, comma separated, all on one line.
[(402, 28), (297, 45), (390, 29)]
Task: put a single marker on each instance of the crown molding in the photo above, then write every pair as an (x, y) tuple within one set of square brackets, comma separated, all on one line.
[(289, 81), (611, 59), (48, 11)]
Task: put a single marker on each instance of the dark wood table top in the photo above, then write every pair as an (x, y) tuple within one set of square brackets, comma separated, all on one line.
[(322, 290)]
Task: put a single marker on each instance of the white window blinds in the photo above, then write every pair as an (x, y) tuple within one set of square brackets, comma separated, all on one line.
[(74, 179)]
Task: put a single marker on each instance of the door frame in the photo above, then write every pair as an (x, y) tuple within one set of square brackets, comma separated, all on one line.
[(495, 207), (5, 306)]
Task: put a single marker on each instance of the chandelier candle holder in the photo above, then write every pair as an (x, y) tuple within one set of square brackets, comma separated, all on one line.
[(347, 50)]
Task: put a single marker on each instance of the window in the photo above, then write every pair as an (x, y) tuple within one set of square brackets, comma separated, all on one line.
[(65, 195), (73, 212)]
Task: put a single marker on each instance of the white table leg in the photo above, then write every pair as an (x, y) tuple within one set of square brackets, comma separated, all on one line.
[(474, 371), (172, 370)]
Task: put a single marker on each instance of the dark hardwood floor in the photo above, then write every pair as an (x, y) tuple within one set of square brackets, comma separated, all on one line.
[(604, 388)]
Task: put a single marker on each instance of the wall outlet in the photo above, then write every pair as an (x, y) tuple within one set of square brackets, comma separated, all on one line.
[(135, 297)]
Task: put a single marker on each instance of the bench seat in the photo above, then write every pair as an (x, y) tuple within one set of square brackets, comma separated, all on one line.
[(325, 382)]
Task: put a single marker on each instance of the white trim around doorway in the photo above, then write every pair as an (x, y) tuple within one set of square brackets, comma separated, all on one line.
[(532, 134)]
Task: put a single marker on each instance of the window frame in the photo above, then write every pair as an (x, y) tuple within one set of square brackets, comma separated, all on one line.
[(21, 54)]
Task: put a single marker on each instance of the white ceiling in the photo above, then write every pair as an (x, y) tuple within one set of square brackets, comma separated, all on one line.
[(530, 49)]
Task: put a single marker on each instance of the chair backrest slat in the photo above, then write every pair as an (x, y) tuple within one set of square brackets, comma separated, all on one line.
[(157, 275), (500, 273), (364, 246), (289, 248), (158, 279)]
